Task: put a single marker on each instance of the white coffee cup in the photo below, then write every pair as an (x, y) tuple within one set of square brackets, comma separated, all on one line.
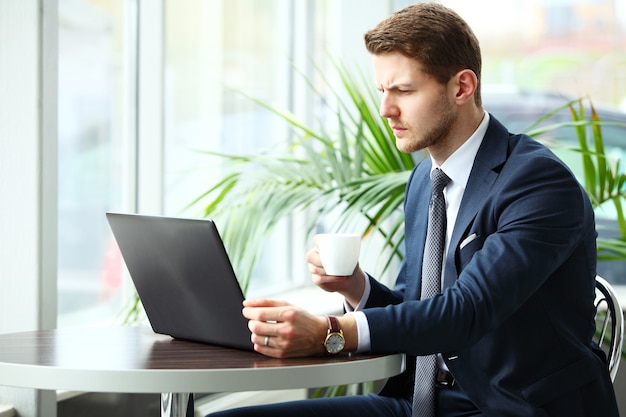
[(339, 252)]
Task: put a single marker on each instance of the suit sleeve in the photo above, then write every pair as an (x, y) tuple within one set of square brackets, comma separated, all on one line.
[(530, 224), (381, 295)]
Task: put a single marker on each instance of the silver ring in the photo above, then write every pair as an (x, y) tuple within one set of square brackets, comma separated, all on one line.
[(267, 340)]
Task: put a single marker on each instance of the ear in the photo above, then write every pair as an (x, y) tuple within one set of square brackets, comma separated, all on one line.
[(465, 84)]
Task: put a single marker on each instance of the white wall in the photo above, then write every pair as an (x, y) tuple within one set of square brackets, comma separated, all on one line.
[(27, 164), (28, 261)]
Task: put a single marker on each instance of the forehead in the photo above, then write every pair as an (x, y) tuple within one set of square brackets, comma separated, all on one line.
[(396, 69)]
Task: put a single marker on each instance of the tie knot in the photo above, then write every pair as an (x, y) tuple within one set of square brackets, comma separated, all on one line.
[(439, 180)]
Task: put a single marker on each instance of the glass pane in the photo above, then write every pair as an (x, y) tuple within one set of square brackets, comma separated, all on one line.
[(211, 49), (572, 47), (93, 150)]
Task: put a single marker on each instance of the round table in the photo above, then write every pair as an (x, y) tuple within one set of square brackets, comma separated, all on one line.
[(135, 359)]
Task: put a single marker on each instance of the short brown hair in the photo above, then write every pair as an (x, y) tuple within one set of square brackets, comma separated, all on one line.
[(434, 35)]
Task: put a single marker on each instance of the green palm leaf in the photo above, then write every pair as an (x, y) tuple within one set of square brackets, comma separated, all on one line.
[(352, 173), (602, 178)]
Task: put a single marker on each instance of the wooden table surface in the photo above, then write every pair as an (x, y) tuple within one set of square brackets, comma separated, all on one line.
[(135, 359)]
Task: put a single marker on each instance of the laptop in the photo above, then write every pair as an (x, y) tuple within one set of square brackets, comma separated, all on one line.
[(183, 277)]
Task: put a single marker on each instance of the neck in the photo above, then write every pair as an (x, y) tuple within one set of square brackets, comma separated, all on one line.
[(465, 125)]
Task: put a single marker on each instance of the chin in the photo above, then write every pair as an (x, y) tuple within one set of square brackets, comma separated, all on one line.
[(407, 146)]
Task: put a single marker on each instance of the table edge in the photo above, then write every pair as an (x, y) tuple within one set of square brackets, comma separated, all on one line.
[(201, 380)]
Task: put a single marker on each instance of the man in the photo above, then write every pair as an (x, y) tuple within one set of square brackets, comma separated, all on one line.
[(509, 330)]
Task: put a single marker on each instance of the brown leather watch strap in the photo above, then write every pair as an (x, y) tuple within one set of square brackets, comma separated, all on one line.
[(333, 324)]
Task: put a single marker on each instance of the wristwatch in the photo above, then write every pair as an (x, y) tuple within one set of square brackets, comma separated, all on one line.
[(335, 341)]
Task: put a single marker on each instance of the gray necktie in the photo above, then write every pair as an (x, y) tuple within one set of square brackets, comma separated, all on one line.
[(426, 366)]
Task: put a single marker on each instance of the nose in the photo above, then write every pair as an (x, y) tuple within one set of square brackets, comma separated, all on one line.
[(388, 108)]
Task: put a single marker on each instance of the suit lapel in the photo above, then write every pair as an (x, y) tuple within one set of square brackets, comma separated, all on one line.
[(491, 155), (416, 220)]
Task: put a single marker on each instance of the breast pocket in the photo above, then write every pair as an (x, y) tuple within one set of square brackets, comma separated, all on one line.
[(469, 245)]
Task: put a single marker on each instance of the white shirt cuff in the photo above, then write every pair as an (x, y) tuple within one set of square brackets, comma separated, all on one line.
[(363, 331), (362, 326)]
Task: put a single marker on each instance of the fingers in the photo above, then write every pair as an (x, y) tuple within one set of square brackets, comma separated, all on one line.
[(268, 339), (267, 345), (263, 325), (272, 351), (313, 258), (264, 302), (262, 329), (300, 334), (265, 310), (264, 341), (317, 270)]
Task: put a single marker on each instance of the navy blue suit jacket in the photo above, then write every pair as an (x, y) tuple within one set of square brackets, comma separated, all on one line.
[(515, 320)]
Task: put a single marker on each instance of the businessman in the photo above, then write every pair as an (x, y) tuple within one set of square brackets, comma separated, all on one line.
[(493, 304)]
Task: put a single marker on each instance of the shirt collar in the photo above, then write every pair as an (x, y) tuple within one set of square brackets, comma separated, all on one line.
[(459, 165)]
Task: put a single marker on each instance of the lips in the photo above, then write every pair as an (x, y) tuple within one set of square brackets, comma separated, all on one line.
[(398, 130)]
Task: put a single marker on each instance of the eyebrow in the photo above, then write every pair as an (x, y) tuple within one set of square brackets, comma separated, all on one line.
[(400, 86)]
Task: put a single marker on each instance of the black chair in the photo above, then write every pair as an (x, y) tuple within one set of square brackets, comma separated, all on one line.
[(609, 324)]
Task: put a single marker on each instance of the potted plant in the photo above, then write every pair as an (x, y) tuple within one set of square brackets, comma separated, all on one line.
[(353, 172), (356, 172)]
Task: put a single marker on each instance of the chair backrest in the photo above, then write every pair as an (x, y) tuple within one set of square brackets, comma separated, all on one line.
[(609, 324)]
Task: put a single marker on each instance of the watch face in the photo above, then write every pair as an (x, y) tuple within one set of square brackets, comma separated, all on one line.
[(334, 343)]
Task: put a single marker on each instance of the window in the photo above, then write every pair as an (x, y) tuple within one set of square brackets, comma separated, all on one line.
[(214, 52), (211, 49), (95, 143)]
